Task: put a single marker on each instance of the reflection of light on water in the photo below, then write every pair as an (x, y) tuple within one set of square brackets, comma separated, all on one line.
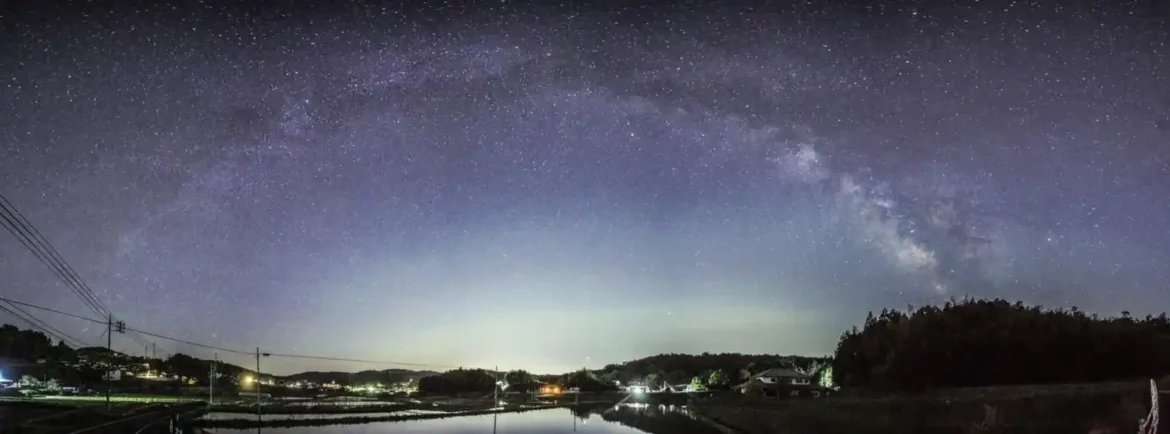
[(660, 407), (625, 418), (226, 416)]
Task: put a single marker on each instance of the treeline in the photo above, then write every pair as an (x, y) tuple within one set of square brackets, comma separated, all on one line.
[(197, 370), (975, 343), (386, 376), (31, 345), (712, 370), (458, 381), (483, 381)]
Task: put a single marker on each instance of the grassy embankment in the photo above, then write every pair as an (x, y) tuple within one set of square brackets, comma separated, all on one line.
[(1079, 408)]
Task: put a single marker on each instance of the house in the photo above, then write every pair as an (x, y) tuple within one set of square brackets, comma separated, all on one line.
[(781, 382), (636, 388), (549, 389)]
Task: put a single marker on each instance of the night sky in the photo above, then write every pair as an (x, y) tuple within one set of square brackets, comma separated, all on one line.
[(563, 187)]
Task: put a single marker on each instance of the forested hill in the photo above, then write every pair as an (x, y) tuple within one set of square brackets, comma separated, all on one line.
[(386, 376), (975, 343), (30, 345), (711, 369)]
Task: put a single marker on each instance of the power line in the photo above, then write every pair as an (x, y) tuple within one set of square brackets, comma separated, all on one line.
[(37, 326), (92, 320), (343, 359), (235, 351), (35, 242), (31, 237), (145, 341), (196, 344), (54, 253), (31, 323), (45, 325), (26, 242), (97, 321), (8, 300)]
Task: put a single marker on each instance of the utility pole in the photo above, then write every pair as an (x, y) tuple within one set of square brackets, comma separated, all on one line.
[(258, 418), (111, 327), (577, 396), (109, 356), (153, 350), (211, 382), (496, 389)]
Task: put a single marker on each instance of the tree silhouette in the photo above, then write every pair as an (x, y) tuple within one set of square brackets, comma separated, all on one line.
[(458, 381), (520, 381), (994, 342)]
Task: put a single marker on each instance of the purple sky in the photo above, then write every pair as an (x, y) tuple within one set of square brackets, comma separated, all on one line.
[(550, 190)]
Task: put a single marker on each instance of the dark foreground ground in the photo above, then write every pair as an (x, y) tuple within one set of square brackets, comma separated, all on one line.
[(1106, 408), (56, 417)]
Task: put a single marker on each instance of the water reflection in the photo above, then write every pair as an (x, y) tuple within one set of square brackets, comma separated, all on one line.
[(655, 419), (220, 415), (622, 419)]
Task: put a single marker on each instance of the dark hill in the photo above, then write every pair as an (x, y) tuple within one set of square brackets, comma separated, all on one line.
[(707, 361), (367, 376)]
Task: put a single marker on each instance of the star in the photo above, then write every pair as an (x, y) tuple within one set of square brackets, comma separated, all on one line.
[(459, 189)]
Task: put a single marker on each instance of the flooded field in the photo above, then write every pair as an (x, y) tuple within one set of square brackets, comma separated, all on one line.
[(252, 416), (624, 419)]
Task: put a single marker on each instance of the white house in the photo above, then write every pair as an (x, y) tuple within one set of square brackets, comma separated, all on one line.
[(787, 376), (777, 381)]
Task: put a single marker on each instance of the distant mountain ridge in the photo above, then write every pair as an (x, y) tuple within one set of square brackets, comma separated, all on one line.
[(690, 364), (673, 361), (30, 345), (367, 376)]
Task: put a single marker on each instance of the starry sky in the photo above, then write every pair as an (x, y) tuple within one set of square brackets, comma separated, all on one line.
[(550, 187)]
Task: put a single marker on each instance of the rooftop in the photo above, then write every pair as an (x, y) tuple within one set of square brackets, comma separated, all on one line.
[(782, 373)]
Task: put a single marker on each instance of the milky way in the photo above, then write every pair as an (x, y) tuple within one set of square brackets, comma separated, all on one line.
[(553, 189)]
